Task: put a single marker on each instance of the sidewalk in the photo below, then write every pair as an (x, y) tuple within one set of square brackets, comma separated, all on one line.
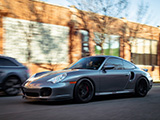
[(158, 81), (156, 84)]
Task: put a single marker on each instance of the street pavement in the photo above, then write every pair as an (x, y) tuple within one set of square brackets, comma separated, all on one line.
[(110, 107)]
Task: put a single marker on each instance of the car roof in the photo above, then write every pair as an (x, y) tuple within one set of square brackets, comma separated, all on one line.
[(106, 56), (110, 56), (11, 59)]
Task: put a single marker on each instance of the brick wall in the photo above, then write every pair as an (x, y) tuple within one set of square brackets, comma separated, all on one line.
[(1, 36), (46, 13), (36, 11)]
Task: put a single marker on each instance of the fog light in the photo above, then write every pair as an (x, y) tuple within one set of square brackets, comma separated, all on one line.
[(45, 92)]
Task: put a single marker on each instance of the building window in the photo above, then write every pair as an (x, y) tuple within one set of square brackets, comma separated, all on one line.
[(144, 52), (85, 43), (110, 45)]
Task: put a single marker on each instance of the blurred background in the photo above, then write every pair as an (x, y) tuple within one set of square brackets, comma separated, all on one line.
[(49, 35)]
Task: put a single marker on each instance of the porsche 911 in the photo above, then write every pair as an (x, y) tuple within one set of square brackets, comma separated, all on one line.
[(89, 77)]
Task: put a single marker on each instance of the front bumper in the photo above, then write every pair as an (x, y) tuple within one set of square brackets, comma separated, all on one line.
[(56, 92)]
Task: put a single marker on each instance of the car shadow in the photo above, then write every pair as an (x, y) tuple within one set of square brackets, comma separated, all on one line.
[(112, 97), (66, 102), (72, 102), (2, 94)]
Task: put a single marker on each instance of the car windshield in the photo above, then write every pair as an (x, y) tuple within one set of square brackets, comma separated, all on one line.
[(88, 63)]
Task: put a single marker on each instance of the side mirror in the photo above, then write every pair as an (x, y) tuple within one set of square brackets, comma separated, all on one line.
[(108, 67)]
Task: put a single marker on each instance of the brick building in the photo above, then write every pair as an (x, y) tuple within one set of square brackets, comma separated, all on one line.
[(43, 36)]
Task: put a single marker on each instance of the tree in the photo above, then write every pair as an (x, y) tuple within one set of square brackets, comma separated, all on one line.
[(103, 13), (99, 11), (131, 30)]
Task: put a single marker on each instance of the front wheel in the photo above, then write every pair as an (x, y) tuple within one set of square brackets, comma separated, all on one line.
[(141, 88), (84, 91)]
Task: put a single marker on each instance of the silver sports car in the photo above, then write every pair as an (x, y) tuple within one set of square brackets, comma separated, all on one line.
[(89, 77)]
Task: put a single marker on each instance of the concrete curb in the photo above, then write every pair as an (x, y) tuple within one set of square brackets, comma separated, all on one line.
[(156, 81)]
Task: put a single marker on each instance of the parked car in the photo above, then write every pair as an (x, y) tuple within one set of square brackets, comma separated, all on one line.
[(90, 76), (12, 75)]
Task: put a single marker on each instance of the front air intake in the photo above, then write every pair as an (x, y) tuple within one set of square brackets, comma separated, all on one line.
[(45, 92)]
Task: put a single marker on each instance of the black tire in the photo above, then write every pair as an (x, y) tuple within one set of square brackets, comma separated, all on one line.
[(141, 88), (11, 86), (84, 91)]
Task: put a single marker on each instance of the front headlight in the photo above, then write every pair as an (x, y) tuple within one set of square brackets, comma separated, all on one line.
[(58, 78)]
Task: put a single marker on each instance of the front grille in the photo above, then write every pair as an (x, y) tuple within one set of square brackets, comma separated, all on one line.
[(43, 92), (32, 94)]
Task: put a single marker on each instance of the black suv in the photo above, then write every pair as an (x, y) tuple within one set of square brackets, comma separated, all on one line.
[(12, 75)]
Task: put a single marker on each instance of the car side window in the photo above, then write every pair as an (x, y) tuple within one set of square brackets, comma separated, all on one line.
[(116, 62), (128, 65), (6, 62)]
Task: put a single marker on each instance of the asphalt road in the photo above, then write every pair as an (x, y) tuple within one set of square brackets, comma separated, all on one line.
[(111, 107)]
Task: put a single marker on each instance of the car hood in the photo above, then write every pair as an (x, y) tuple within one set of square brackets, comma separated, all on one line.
[(44, 76)]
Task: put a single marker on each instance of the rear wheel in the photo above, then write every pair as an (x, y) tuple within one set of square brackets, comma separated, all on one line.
[(84, 91), (141, 88), (12, 86)]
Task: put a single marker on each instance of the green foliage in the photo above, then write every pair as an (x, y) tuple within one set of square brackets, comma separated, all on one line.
[(111, 51)]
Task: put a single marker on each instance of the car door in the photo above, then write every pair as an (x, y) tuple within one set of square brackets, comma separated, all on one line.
[(113, 79)]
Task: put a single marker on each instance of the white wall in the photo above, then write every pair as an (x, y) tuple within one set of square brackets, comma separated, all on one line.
[(48, 41)]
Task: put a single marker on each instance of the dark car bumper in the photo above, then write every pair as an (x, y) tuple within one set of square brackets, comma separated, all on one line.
[(60, 91)]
